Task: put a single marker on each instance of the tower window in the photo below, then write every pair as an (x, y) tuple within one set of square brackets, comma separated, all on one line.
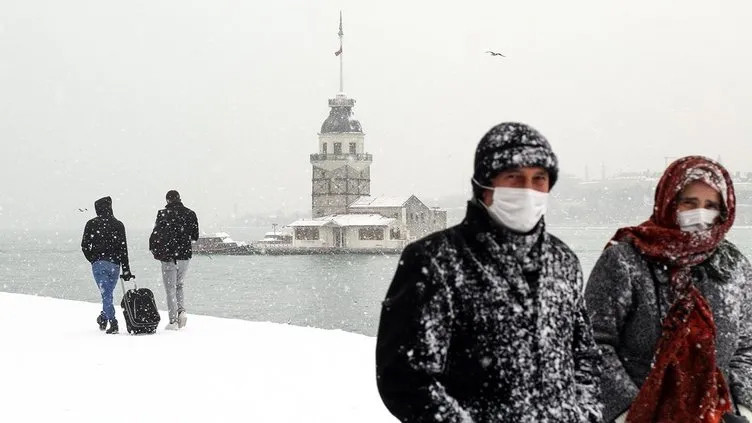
[(323, 148), (352, 148), (337, 148)]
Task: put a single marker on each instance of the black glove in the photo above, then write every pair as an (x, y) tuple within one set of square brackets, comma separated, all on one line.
[(126, 276), (733, 418)]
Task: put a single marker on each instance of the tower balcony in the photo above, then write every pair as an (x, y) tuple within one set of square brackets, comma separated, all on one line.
[(320, 157), (341, 101)]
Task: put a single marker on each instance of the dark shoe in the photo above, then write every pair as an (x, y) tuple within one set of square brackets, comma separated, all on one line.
[(113, 326), (102, 321)]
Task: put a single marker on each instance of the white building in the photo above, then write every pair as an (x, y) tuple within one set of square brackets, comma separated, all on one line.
[(348, 231)]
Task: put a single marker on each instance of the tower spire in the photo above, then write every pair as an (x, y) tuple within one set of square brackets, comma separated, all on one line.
[(339, 53)]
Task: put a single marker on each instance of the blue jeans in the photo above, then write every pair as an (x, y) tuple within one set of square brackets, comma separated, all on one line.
[(106, 276)]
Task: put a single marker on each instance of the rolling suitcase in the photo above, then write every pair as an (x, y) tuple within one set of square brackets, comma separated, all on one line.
[(140, 310)]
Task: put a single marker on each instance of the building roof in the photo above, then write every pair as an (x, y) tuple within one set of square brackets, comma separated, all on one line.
[(368, 202), (360, 220), (310, 222), (345, 220)]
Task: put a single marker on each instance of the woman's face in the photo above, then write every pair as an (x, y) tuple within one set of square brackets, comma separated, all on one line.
[(697, 195)]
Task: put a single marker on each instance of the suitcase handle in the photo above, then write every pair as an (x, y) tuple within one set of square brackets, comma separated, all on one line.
[(122, 285)]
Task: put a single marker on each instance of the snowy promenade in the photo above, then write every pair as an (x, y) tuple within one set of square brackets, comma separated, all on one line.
[(55, 365)]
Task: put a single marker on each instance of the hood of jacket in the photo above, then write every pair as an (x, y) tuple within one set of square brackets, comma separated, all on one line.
[(103, 206)]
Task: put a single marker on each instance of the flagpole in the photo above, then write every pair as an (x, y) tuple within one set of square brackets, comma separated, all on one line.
[(341, 74)]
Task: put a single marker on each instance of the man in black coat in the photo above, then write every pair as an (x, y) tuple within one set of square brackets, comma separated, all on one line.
[(170, 243), (485, 321), (105, 247)]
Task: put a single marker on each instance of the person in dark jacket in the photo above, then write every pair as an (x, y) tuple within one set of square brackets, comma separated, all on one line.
[(104, 246), (485, 321), (671, 305), (170, 243)]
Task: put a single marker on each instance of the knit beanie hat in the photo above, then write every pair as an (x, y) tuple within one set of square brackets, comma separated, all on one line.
[(511, 145)]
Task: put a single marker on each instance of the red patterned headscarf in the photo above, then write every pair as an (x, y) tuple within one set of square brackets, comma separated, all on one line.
[(684, 384)]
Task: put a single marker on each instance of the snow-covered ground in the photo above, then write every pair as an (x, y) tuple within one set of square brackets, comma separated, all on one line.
[(55, 365)]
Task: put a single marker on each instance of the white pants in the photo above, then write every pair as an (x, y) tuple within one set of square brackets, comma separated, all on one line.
[(172, 277)]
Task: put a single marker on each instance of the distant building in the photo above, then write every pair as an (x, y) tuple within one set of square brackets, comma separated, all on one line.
[(415, 218), (349, 231), (344, 215)]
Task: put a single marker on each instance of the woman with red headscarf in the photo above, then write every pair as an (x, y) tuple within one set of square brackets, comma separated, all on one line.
[(670, 301)]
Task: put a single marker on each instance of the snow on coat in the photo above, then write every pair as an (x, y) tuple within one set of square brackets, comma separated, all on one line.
[(473, 331), (176, 226), (621, 298), (104, 237)]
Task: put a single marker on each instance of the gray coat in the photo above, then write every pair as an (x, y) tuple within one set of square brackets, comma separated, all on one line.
[(621, 299)]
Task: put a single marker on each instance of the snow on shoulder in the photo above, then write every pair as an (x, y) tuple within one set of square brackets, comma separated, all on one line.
[(57, 366)]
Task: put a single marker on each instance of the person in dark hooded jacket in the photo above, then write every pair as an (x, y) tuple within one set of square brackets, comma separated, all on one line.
[(170, 243), (486, 321), (671, 305), (104, 246)]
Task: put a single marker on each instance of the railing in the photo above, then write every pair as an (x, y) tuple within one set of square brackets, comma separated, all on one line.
[(324, 156), (341, 102)]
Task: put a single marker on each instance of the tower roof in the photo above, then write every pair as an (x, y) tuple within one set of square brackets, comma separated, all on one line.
[(340, 117)]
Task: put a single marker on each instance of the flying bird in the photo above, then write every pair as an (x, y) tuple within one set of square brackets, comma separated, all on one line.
[(82, 210), (493, 53)]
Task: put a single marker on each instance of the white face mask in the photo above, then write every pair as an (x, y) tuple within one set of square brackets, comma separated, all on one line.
[(518, 209), (696, 220)]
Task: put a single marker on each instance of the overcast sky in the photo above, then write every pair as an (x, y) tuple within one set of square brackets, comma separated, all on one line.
[(223, 100)]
